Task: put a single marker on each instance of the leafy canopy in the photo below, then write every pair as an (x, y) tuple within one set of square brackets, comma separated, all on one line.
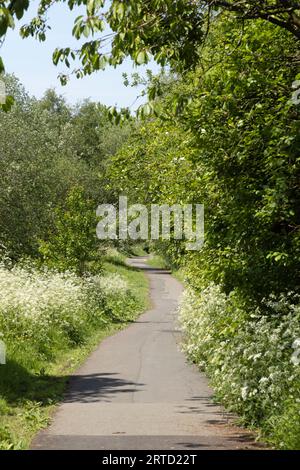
[(168, 31), (235, 148)]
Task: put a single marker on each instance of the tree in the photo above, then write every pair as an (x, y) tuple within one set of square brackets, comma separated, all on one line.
[(73, 243), (235, 149), (46, 148), (34, 173)]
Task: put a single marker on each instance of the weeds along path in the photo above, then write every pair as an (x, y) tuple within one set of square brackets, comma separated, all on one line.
[(136, 391)]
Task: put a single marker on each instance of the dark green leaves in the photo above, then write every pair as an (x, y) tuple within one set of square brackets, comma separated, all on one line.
[(171, 32), (8, 104), (141, 58), (6, 20), (2, 68)]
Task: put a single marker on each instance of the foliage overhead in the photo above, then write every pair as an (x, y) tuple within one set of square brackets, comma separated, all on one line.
[(168, 31)]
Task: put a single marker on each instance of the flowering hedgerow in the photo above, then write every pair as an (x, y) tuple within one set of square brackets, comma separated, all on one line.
[(46, 307), (253, 360)]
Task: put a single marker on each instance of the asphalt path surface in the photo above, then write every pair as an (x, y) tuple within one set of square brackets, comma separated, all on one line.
[(137, 390)]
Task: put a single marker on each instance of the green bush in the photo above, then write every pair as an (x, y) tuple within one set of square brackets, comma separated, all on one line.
[(73, 245), (44, 311), (251, 359)]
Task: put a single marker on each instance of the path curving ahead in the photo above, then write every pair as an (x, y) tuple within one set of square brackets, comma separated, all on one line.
[(136, 391)]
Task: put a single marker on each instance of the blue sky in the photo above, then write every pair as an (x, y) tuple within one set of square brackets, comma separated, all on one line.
[(31, 62)]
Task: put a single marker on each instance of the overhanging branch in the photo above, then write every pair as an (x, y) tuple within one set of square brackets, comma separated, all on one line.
[(283, 15)]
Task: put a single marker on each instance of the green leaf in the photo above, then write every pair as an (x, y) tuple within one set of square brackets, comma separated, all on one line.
[(86, 31), (141, 58), (8, 104), (2, 68), (90, 7)]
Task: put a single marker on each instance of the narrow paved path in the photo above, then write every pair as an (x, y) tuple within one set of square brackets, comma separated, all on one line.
[(136, 391)]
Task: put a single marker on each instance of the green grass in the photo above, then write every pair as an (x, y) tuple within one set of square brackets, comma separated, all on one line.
[(135, 278), (138, 250), (157, 261), (30, 387)]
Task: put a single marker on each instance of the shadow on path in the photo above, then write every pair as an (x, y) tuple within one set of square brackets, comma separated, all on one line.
[(98, 387)]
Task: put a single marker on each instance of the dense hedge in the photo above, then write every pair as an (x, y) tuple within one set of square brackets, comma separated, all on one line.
[(253, 362)]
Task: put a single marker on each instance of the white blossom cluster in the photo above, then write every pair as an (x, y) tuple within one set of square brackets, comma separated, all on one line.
[(112, 284), (253, 359), (32, 302)]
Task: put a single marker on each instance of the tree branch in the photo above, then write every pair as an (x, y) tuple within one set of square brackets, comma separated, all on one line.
[(288, 18)]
